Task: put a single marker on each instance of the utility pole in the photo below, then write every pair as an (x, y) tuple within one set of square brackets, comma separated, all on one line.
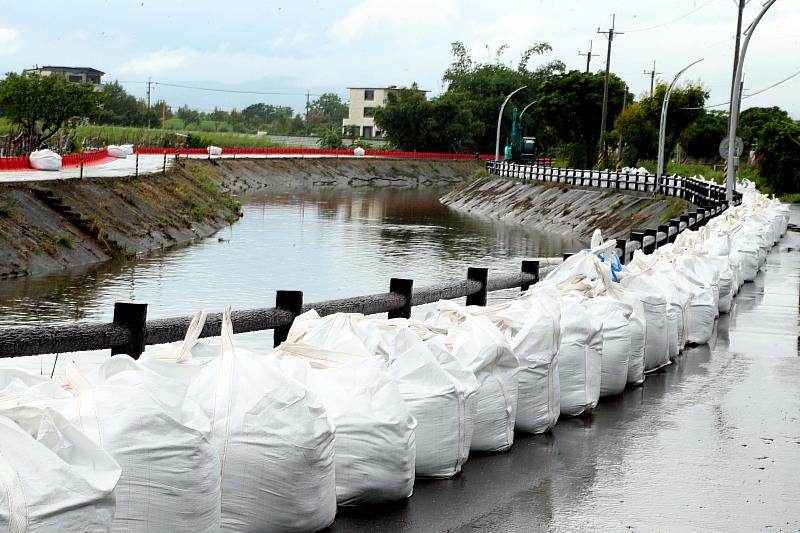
[(652, 75), (308, 106), (624, 106), (610, 36), (736, 53), (148, 101), (589, 55)]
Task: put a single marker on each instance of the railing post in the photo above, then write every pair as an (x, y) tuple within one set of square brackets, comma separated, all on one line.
[(405, 288), (638, 236), (693, 215), (664, 228), (530, 267), (677, 225), (567, 255), (291, 301), (649, 232), (481, 275), (622, 244), (134, 317)]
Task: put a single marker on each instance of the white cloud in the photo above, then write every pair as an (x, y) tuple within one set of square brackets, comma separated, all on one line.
[(389, 20), (163, 61), (10, 41)]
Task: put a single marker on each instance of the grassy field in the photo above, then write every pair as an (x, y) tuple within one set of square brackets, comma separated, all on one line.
[(105, 135)]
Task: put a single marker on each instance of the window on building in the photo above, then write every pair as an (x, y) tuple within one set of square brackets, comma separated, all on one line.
[(369, 94), (377, 133), (74, 79), (369, 111), (366, 131)]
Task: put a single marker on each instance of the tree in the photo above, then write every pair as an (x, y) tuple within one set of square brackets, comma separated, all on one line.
[(702, 137), (639, 123), (754, 119), (120, 108), (570, 106), (779, 151), (40, 105)]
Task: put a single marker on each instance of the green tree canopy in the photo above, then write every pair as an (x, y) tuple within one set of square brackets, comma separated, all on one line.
[(702, 137), (570, 107), (640, 122), (754, 119), (779, 151), (41, 105)]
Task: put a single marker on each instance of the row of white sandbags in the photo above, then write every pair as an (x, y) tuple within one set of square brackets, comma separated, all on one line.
[(225, 442)]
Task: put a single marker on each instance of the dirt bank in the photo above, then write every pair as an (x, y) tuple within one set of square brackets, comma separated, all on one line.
[(297, 174), (572, 211), (51, 226), (55, 225)]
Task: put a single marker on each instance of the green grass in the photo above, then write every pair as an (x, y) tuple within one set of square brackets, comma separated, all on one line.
[(791, 198), (65, 239)]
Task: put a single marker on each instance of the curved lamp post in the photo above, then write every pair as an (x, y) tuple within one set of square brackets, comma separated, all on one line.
[(662, 131), (525, 109), (500, 119), (736, 103)]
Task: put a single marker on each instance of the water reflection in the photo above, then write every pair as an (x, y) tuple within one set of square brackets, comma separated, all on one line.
[(329, 245)]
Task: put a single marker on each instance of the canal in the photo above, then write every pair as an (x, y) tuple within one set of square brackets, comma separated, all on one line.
[(329, 245)]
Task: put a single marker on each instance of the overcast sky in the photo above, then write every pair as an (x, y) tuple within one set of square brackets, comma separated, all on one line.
[(326, 46)]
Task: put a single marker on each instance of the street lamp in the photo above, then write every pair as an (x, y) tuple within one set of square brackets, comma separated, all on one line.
[(662, 130), (500, 119), (736, 103), (523, 111)]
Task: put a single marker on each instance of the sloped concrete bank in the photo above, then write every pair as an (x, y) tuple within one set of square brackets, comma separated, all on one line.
[(572, 211), (51, 226), (310, 174)]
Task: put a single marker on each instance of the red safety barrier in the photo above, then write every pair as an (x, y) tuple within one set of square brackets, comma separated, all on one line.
[(10, 164), (313, 151)]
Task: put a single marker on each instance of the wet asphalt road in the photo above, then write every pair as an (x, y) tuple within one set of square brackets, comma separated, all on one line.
[(710, 444)]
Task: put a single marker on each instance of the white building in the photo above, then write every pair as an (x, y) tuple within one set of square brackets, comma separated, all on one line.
[(71, 74), (363, 102)]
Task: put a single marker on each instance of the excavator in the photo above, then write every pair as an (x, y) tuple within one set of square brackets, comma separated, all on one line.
[(523, 150)]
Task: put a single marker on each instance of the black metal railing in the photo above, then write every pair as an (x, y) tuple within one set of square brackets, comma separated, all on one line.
[(130, 331)]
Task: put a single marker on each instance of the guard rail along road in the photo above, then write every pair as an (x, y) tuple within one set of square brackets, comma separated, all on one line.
[(130, 331)]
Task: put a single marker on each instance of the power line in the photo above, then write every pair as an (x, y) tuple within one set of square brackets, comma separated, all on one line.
[(211, 89), (765, 89), (698, 8)]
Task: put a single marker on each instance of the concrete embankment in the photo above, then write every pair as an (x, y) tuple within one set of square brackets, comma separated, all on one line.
[(50, 226), (572, 211), (309, 174)]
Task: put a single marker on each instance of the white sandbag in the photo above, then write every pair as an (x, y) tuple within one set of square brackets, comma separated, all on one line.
[(359, 152), (214, 150), (45, 160), (127, 148), (273, 437), (375, 447), (637, 323), (52, 476), (579, 358), (438, 391), (116, 151), (440, 394), (704, 305), (532, 326), (170, 471), (482, 349), (654, 306), (614, 316)]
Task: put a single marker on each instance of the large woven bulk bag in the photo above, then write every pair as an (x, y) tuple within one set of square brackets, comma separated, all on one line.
[(374, 449), (614, 317), (274, 440), (579, 358), (52, 476), (170, 471), (116, 151), (441, 395), (704, 305), (45, 160), (214, 150), (654, 305), (438, 391), (637, 324), (532, 326), (482, 349)]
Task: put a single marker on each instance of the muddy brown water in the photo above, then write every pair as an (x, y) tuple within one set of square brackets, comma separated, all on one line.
[(329, 245)]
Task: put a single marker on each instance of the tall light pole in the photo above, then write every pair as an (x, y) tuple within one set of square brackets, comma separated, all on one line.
[(736, 103), (500, 119), (523, 111), (662, 131)]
